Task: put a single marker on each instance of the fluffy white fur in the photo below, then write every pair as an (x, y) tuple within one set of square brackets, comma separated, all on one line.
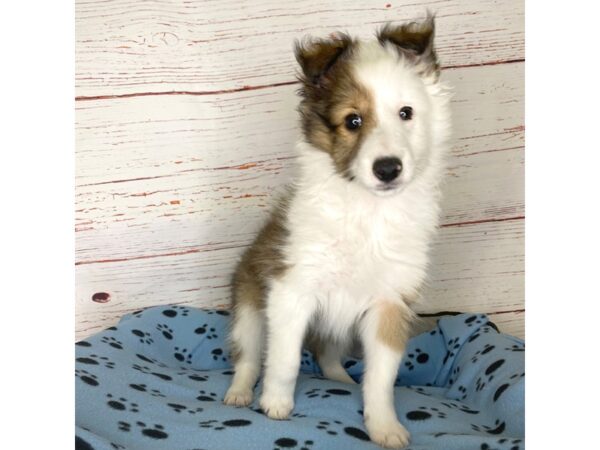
[(353, 247)]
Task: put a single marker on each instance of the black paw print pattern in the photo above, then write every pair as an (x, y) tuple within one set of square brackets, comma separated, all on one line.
[(488, 327), (486, 446), (152, 431), (514, 442), (150, 360), (232, 423), (497, 428), (95, 360), (516, 348), (473, 337), (145, 338), (453, 345), (87, 377), (207, 396), (165, 331), (220, 312), (326, 427), (419, 390), (83, 344), (418, 356), (121, 404), (489, 373), (424, 413), (175, 311), (306, 359), (316, 392), (461, 407), (475, 320), (485, 350), (454, 375), (182, 355), (209, 332), (144, 388), (138, 313), (288, 442), (112, 342), (180, 408), (217, 353), (196, 377), (149, 371), (463, 392), (357, 433)]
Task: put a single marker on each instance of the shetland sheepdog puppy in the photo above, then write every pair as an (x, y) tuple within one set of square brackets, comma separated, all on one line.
[(344, 254)]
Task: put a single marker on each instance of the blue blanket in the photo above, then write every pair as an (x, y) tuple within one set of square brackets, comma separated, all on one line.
[(156, 381)]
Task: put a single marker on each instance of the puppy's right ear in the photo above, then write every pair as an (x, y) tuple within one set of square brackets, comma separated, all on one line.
[(317, 58)]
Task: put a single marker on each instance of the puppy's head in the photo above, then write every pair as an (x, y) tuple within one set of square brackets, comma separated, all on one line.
[(369, 105)]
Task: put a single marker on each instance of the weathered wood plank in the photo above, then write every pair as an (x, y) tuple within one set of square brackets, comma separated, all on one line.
[(476, 268), (125, 48), (169, 175), (192, 134)]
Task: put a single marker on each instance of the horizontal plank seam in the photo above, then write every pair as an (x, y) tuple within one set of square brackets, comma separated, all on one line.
[(258, 87), (201, 169), (455, 313), (474, 222), (198, 250)]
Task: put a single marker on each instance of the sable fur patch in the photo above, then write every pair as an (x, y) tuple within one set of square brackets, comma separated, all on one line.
[(263, 260), (394, 325), (329, 94)]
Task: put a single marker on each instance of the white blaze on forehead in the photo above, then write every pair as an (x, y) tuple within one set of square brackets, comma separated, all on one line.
[(392, 81)]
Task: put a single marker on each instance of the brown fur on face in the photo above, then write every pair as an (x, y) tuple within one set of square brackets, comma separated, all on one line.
[(329, 94)]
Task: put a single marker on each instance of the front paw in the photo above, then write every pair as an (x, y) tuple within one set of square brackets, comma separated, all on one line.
[(388, 433), (276, 407), (238, 397)]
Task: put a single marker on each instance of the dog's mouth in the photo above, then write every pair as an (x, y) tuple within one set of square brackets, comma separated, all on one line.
[(380, 189), (387, 187)]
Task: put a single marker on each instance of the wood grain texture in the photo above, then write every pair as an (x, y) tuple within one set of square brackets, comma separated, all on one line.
[(128, 47), (477, 268), (183, 140), (163, 175)]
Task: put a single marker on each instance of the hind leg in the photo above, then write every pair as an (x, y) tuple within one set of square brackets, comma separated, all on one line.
[(247, 340), (329, 357)]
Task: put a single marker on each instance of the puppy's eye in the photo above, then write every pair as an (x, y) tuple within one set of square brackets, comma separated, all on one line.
[(353, 121), (406, 113)]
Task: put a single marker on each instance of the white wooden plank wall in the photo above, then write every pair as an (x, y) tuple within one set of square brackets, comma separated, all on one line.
[(185, 129)]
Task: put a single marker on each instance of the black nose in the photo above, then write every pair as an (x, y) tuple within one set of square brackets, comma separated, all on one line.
[(387, 169)]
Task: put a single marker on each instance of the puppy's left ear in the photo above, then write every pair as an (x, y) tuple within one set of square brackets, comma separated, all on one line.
[(414, 41)]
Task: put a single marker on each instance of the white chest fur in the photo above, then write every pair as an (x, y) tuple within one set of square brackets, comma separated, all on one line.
[(348, 247)]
